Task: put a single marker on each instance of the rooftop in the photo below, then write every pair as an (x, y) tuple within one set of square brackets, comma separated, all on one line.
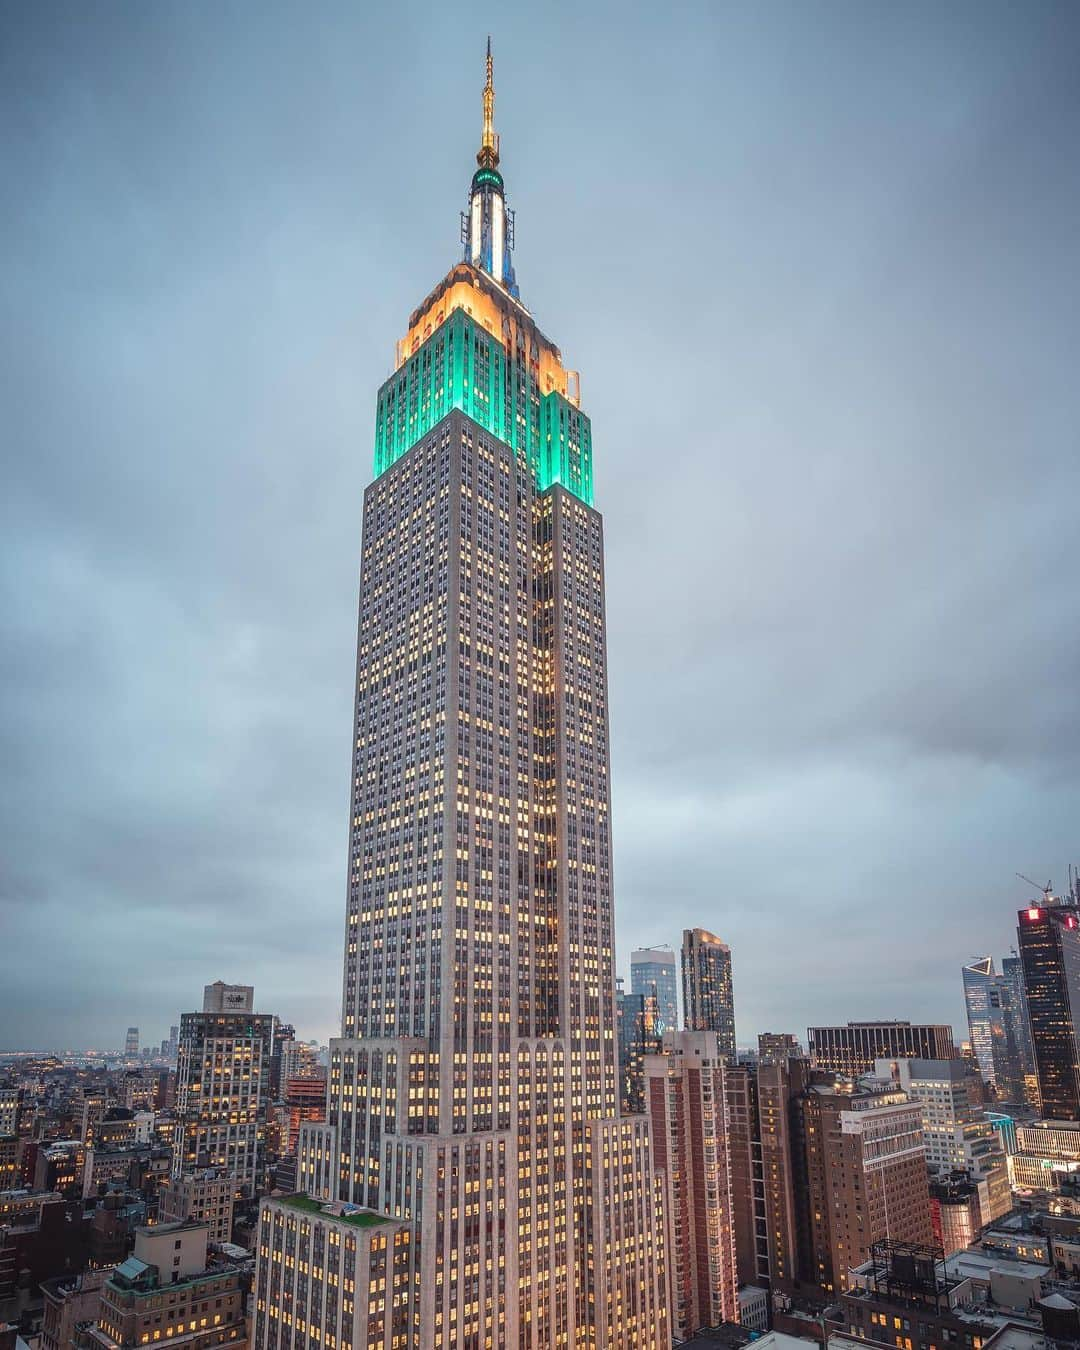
[(333, 1209), (970, 1264)]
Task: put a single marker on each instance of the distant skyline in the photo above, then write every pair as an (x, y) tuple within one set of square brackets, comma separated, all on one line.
[(843, 618)]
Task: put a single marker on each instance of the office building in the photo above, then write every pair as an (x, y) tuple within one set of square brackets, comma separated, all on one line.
[(636, 1039), (300, 1059), (9, 1110), (851, 1050), (305, 1100), (205, 1197), (687, 1103), (1012, 972), (222, 1078), (10, 1170), (1048, 937), (992, 1029), (652, 973), (131, 1043), (782, 1213), (473, 1094), (708, 1000), (958, 1136), (1047, 1155), (777, 1047)]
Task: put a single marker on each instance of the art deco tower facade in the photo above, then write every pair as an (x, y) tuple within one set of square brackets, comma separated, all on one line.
[(473, 1094)]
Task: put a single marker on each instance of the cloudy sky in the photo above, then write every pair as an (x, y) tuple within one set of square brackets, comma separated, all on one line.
[(819, 265)]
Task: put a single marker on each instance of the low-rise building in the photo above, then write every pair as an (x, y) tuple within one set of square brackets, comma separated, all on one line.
[(70, 1305), (167, 1293), (59, 1167), (915, 1298), (754, 1307)]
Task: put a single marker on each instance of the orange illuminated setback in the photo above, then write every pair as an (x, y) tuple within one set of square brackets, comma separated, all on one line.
[(466, 287)]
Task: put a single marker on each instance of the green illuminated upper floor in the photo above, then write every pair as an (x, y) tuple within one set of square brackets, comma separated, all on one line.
[(463, 366), (495, 379)]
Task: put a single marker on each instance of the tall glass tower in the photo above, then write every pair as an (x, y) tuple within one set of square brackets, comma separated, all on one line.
[(708, 998), (473, 1125)]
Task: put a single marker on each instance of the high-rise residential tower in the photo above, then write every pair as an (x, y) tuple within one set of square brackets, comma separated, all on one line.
[(1049, 941), (652, 973), (473, 1094), (708, 1000), (687, 1100)]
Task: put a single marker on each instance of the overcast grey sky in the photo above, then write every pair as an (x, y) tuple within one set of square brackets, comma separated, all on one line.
[(818, 265)]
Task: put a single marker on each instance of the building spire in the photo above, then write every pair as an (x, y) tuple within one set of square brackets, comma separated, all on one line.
[(488, 155)]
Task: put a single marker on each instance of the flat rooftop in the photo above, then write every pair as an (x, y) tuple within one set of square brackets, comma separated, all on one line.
[(333, 1209)]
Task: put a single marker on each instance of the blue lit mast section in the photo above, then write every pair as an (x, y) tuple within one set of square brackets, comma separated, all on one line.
[(487, 228)]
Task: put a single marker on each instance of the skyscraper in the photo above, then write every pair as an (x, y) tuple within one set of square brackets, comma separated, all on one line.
[(1049, 941), (652, 973), (992, 1029), (131, 1043), (222, 1078), (708, 1000), (1012, 972), (473, 1093), (635, 1040)]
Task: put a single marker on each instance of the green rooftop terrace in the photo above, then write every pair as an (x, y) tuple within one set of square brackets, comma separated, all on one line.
[(358, 1218)]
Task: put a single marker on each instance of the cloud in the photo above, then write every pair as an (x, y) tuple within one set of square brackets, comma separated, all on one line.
[(821, 281)]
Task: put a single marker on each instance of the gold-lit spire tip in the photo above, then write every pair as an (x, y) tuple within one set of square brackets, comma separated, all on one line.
[(489, 143)]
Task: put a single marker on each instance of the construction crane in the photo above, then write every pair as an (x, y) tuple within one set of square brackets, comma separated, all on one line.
[(1047, 890)]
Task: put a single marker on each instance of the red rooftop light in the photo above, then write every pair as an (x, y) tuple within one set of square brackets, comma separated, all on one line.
[(1033, 914)]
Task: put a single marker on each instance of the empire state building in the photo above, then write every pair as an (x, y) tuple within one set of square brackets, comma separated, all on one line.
[(474, 1185)]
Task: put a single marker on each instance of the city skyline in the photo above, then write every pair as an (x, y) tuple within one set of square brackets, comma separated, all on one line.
[(184, 536)]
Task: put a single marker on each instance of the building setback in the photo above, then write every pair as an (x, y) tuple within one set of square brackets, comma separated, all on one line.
[(473, 1093), (852, 1049), (363, 1300)]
